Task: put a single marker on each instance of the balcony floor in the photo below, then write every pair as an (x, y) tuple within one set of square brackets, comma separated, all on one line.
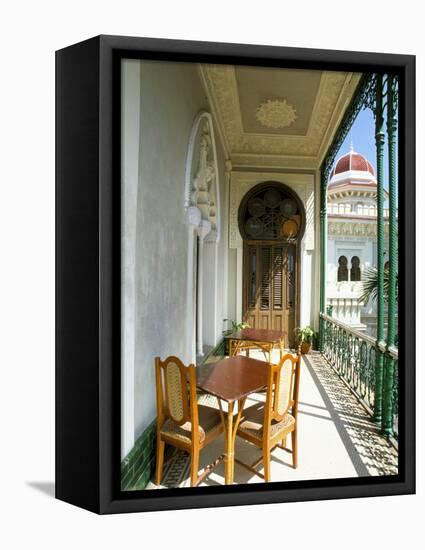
[(336, 438)]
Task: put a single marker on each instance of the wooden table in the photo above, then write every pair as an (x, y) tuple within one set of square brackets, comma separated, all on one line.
[(254, 337), (232, 380)]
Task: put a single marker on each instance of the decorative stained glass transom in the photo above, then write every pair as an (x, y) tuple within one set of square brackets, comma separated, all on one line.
[(271, 214)]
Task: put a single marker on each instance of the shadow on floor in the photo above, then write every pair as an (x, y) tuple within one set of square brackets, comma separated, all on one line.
[(46, 487), (359, 435), (357, 439)]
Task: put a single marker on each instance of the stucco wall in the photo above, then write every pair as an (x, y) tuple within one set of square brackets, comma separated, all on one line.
[(155, 234), (231, 285), (130, 128)]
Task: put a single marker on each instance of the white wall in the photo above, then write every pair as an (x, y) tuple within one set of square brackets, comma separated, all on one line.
[(307, 315), (231, 283), (130, 132), (155, 233)]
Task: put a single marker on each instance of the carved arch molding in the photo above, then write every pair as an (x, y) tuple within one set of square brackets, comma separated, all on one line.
[(201, 196)]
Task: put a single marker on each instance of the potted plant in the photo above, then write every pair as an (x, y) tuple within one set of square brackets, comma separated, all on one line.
[(304, 338), (234, 328)]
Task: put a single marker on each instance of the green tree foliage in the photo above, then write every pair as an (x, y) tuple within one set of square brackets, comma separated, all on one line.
[(370, 285)]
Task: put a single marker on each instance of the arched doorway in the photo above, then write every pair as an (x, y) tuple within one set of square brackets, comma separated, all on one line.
[(271, 222)]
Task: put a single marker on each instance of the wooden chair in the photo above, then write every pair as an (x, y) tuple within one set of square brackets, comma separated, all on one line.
[(268, 423), (181, 421)]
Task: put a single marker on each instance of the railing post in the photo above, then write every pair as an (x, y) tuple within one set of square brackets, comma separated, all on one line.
[(388, 404), (380, 141), (323, 257), (349, 352)]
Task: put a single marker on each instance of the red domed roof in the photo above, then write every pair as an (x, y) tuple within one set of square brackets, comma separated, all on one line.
[(352, 161)]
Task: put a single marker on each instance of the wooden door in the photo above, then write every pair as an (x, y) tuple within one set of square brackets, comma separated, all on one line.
[(269, 286)]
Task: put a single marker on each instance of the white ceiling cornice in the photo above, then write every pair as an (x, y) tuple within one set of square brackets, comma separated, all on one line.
[(214, 111), (350, 85), (262, 150)]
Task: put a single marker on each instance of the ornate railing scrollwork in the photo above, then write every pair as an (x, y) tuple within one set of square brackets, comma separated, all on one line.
[(353, 355)]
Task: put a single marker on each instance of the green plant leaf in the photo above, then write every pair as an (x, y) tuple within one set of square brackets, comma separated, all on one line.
[(370, 285)]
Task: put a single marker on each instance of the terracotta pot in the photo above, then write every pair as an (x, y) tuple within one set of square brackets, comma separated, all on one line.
[(305, 347)]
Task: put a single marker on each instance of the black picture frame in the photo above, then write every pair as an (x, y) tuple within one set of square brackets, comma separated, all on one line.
[(88, 274)]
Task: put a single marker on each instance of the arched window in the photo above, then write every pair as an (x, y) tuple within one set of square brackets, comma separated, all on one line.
[(342, 269), (271, 212), (355, 274)]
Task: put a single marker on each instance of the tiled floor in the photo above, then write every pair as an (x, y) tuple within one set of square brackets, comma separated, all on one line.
[(336, 438)]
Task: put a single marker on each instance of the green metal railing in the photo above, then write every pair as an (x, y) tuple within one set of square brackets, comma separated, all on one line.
[(354, 356), (395, 398), (391, 401)]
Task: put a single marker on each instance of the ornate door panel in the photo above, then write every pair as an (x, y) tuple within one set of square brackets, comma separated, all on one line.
[(269, 286), (271, 222)]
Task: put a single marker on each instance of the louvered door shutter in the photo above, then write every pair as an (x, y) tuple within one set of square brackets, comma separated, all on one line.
[(251, 285), (277, 321), (290, 299), (264, 301), (265, 281), (252, 276), (277, 274)]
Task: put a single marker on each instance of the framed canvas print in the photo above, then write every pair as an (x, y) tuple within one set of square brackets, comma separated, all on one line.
[(235, 274)]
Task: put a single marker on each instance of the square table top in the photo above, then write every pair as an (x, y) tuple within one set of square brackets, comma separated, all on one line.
[(233, 378), (257, 335)]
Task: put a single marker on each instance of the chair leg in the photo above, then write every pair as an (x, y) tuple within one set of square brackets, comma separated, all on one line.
[(294, 448), (266, 462), (160, 448), (283, 442), (194, 466)]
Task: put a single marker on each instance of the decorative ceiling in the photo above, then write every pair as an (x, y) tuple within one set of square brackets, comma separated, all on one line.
[(277, 118)]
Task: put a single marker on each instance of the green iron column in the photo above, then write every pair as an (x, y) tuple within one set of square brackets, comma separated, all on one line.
[(388, 398), (323, 257), (380, 141)]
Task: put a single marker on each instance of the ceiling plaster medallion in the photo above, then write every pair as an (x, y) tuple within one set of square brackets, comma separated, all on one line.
[(276, 113)]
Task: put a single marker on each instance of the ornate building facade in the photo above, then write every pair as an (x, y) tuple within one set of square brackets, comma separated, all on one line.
[(352, 239)]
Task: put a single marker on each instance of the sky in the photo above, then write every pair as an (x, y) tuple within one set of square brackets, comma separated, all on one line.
[(362, 136)]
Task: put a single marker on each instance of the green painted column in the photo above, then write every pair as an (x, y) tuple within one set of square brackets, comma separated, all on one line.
[(388, 404), (380, 142), (323, 257)]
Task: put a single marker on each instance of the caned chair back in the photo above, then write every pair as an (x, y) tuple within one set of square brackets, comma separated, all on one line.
[(282, 387), (175, 391)]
